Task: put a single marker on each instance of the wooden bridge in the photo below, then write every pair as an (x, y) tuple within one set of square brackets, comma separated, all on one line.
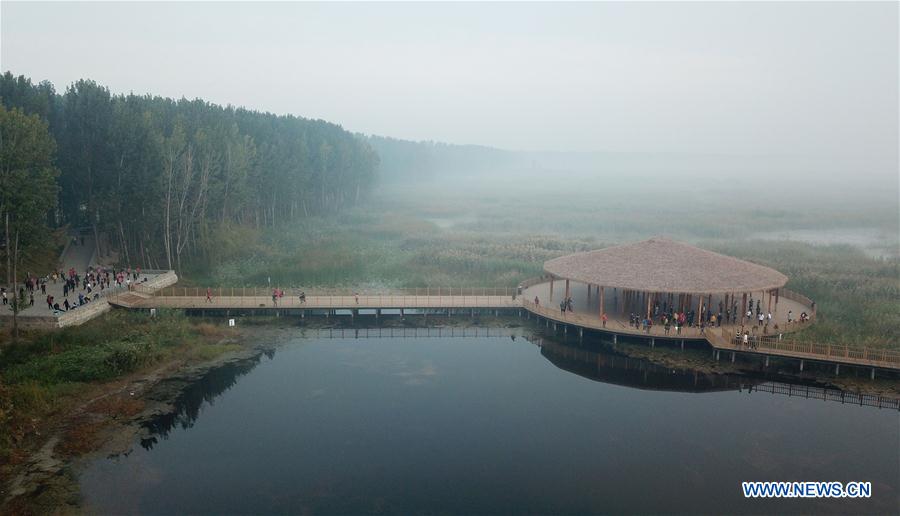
[(234, 301)]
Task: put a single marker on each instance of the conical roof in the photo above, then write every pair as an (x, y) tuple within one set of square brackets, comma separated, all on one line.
[(663, 265)]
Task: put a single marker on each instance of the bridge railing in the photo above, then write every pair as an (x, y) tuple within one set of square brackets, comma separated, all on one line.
[(175, 291), (318, 298), (775, 343)]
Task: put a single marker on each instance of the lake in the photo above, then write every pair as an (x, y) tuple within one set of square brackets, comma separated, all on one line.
[(508, 421)]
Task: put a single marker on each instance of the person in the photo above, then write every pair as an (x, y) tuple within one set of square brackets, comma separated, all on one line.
[(208, 295), (760, 318), (769, 318), (745, 339), (562, 306), (790, 317), (5, 299), (356, 297), (537, 302), (43, 288), (31, 299), (66, 304), (603, 319), (275, 297), (49, 302), (667, 326), (302, 297)]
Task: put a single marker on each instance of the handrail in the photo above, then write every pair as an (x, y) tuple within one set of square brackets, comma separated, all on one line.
[(813, 348)]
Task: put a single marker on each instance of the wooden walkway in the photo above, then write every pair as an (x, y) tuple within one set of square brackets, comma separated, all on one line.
[(317, 302), (721, 338)]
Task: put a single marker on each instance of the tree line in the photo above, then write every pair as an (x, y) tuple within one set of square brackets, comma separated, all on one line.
[(157, 176)]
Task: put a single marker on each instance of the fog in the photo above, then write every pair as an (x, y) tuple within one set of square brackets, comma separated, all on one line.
[(743, 99)]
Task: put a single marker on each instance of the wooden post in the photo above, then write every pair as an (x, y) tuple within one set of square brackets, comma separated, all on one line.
[(600, 297), (590, 287), (700, 311), (743, 306)]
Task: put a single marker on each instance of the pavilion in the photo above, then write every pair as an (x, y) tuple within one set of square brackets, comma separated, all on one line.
[(657, 275)]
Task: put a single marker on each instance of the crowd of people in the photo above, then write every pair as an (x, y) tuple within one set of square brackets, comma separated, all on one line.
[(671, 320), (83, 288)]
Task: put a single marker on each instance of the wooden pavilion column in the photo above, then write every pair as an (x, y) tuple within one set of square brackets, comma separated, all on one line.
[(743, 305), (551, 289), (777, 293), (769, 304), (567, 290), (700, 310), (600, 297), (649, 300), (589, 293)]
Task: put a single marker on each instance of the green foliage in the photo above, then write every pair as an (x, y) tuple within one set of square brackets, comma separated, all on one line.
[(102, 349), (165, 176)]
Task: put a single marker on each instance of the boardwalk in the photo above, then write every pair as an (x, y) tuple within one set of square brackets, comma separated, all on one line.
[(239, 300)]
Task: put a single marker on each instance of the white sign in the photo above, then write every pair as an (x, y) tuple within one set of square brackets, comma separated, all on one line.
[(230, 322), (153, 312)]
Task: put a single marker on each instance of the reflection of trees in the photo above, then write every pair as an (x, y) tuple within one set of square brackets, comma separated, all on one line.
[(192, 398)]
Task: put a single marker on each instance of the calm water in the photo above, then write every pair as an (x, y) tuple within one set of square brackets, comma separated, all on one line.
[(492, 424)]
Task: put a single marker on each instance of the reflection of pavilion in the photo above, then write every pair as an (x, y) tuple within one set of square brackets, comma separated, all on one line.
[(643, 374), (659, 275), (633, 372)]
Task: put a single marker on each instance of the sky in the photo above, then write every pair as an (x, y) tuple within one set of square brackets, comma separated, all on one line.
[(726, 78)]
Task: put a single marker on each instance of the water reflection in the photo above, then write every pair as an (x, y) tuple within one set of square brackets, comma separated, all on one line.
[(341, 424), (607, 367), (190, 401), (598, 363)]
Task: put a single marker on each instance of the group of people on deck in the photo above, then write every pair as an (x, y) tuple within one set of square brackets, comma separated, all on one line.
[(88, 285)]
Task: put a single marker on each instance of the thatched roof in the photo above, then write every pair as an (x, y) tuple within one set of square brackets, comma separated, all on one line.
[(662, 265)]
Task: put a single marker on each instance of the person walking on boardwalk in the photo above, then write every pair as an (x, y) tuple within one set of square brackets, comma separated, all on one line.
[(760, 318), (537, 302), (356, 297), (208, 295), (603, 319), (275, 297)]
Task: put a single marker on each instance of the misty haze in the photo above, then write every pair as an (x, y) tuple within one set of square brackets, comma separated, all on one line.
[(459, 258)]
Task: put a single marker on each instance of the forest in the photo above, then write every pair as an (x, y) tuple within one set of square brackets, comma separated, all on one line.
[(159, 177)]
